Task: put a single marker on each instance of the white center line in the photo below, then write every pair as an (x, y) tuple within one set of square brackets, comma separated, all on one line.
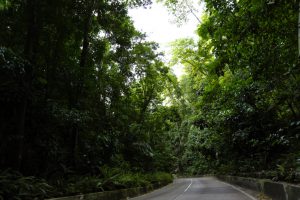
[(188, 186), (186, 189)]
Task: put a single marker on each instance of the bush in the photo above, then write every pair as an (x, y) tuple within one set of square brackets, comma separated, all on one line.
[(160, 177), (14, 186), (130, 180), (85, 185)]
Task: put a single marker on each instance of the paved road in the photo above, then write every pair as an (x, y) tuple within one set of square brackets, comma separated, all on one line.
[(207, 188)]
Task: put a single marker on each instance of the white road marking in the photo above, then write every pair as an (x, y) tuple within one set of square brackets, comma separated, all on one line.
[(245, 193), (188, 186), (186, 189)]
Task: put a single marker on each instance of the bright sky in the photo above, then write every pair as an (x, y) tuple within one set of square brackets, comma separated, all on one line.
[(156, 22)]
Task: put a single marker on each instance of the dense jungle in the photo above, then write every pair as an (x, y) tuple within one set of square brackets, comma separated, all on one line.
[(88, 104)]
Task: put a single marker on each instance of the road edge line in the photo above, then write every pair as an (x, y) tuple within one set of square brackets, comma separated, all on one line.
[(245, 193)]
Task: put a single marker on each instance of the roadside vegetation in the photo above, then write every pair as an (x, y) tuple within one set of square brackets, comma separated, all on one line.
[(15, 186), (81, 95), (240, 97), (87, 104)]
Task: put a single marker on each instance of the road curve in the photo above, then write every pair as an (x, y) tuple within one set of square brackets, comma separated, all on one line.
[(206, 188)]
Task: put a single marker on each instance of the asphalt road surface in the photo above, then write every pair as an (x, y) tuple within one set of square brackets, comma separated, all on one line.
[(206, 188)]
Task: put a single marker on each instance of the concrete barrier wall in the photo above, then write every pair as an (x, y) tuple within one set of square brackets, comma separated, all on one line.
[(113, 195), (275, 190)]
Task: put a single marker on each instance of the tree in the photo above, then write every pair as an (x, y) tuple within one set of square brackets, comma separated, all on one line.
[(90, 79), (234, 85)]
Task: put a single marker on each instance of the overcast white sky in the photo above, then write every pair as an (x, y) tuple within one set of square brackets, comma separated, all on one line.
[(156, 22)]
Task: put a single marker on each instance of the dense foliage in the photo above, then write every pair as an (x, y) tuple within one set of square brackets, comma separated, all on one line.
[(241, 92), (87, 104), (15, 186), (81, 89)]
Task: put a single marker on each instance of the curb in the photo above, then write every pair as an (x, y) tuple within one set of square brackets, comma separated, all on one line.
[(113, 195), (275, 190)]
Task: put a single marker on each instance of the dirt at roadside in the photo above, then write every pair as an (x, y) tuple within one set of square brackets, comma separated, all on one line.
[(263, 197)]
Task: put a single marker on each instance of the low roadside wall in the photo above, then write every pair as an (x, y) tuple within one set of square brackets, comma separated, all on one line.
[(113, 195), (275, 190)]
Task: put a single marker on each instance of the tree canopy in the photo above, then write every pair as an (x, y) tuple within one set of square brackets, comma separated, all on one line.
[(88, 104), (241, 88)]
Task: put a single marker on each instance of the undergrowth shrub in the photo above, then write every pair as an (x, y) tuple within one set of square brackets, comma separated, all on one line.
[(85, 185), (160, 177), (14, 186), (130, 180)]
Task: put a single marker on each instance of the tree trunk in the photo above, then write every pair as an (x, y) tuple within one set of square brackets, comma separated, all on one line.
[(145, 105), (30, 49), (299, 31), (20, 133), (85, 48), (82, 73)]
